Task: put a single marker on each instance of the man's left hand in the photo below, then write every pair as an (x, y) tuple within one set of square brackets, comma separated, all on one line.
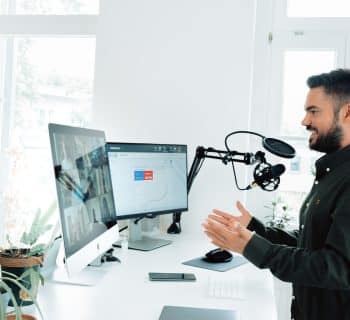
[(234, 239)]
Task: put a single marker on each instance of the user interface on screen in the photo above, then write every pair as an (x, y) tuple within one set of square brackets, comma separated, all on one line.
[(83, 184), (148, 178)]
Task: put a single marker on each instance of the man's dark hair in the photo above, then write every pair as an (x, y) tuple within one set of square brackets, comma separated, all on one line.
[(335, 84)]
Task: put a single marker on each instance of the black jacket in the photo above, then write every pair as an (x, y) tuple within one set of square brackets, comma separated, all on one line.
[(315, 258)]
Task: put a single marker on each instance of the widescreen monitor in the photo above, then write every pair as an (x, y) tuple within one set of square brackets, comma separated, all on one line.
[(84, 191), (148, 179)]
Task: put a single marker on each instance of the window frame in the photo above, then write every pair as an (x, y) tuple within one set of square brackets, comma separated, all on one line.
[(283, 22), (12, 26), (33, 26), (297, 41), (272, 23), (44, 25)]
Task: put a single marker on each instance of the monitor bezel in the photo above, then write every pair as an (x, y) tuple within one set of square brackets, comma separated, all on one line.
[(152, 214), (78, 260)]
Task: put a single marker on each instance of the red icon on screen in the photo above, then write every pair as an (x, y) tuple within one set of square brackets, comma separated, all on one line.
[(148, 175)]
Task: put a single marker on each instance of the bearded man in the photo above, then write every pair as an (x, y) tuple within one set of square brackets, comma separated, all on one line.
[(316, 257)]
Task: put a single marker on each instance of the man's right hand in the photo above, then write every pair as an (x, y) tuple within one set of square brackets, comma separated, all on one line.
[(229, 220)]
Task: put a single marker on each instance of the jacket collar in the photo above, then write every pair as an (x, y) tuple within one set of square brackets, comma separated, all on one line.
[(331, 161)]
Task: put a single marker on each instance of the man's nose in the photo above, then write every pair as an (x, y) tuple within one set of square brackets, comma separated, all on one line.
[(305, 121)]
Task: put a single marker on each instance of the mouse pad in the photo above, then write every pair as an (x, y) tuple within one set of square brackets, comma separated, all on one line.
[(221, 266)]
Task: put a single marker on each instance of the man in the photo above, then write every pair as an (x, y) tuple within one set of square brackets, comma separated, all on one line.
[(315, 258)]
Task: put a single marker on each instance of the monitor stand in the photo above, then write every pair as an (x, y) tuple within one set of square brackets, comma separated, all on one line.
[(54, 270), (137, 241), (87, 277)]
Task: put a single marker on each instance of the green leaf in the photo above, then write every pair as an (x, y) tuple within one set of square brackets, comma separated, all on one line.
[(2, 307), (37, 249), (22, 287), (16, 307), (39, 226)]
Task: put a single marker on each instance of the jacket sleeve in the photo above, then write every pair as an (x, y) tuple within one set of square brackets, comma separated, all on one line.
[(328, 267), (274, 235)]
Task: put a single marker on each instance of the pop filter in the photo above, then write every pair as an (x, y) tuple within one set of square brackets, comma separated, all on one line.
[(278, 147), (275, 146)]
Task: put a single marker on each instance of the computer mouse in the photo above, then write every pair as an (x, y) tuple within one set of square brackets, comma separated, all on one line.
[(218, 255)]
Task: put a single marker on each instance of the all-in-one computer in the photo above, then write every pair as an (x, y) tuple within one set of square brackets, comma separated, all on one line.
[(84, 190)]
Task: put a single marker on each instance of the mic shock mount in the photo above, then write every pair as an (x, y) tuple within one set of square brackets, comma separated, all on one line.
[(269, 184)]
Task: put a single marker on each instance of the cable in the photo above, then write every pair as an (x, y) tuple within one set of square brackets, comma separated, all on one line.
[(241, 131), (148, 216), (199, 167), (124, 228), (234, 174), (228, 149)]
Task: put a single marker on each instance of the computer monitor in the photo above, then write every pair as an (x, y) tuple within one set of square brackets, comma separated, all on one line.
[(148, 180), (84, 191)]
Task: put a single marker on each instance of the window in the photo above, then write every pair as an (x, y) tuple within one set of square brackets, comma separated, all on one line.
[(318, 8), (45, 76), (303, 39), (49, 7), (298, 64)]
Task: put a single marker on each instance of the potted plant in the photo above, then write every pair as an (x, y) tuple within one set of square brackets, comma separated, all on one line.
[(280, 216), (21, 263)]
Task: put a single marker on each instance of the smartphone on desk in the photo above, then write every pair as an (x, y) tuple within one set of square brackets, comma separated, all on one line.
[(161, 276)]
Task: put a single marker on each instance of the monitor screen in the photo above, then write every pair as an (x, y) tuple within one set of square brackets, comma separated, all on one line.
[(84, 190), (148, 178)]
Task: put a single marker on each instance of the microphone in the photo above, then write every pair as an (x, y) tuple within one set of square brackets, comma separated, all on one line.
[(267, 176)]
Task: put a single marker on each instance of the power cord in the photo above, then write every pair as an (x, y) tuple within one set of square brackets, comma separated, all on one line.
[(148, 216)]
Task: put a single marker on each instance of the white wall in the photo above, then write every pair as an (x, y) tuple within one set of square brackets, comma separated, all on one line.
[(256, 198), (178, 71)]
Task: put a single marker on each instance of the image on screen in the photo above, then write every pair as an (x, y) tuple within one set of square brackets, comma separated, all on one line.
[(148, 178), (83, 185)]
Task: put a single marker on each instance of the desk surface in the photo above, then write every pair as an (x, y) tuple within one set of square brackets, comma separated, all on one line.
[(126, 293)]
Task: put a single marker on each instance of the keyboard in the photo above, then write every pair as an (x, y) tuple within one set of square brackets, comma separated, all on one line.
[(225, 287)]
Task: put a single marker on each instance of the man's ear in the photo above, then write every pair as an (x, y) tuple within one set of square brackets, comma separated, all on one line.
[(346, 112)]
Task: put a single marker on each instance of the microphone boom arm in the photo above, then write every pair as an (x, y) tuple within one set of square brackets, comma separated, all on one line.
[(223, 155), (226, 157)]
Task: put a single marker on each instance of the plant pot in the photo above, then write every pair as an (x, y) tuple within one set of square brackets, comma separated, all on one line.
[(24, 317), (18, 266)]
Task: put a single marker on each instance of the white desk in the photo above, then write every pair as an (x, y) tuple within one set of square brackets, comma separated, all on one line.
[(125, 292)]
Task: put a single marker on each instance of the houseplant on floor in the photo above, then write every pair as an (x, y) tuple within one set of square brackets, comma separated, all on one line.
[(20, 264), (280, 214)]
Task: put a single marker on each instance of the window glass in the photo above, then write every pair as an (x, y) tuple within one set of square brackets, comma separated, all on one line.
[(313, 49), (3, 6), (297, 67), (59, 7), (297, 181), (318, 8), (52, 82), (2, 68)]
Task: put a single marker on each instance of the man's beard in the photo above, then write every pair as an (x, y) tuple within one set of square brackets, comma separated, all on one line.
[(329, 142)]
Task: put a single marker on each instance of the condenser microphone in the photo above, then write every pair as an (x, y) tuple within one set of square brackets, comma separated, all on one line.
[(267, 176)]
